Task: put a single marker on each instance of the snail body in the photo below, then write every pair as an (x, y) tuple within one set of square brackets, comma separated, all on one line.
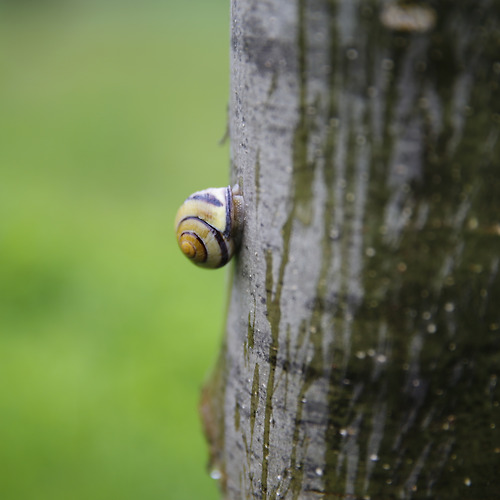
[(209, 224)]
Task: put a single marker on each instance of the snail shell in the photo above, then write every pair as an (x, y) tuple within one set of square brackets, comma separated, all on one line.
[(209, 225)]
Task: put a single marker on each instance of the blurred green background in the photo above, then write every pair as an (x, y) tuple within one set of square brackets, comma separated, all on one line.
[(110, 115)]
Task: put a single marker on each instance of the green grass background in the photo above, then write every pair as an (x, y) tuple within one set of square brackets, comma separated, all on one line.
[(110, 115)]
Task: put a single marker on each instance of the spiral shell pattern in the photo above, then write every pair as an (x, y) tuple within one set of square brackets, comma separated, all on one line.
[(205, 225)]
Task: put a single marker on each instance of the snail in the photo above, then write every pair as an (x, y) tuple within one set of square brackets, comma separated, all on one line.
[(209, 226)]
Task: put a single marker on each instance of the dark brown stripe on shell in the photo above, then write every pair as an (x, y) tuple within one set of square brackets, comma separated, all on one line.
[(208, 198), (229, 211)]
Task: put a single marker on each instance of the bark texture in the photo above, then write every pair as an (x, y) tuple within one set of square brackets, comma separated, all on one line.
[(362, 348)]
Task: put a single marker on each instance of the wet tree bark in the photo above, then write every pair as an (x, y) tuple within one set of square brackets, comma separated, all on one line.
[(362, 348)]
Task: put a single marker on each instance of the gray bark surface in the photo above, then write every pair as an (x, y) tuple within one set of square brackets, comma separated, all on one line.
[(362, 348)]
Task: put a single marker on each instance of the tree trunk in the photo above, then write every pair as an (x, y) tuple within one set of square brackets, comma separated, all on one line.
[(362, 347)]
